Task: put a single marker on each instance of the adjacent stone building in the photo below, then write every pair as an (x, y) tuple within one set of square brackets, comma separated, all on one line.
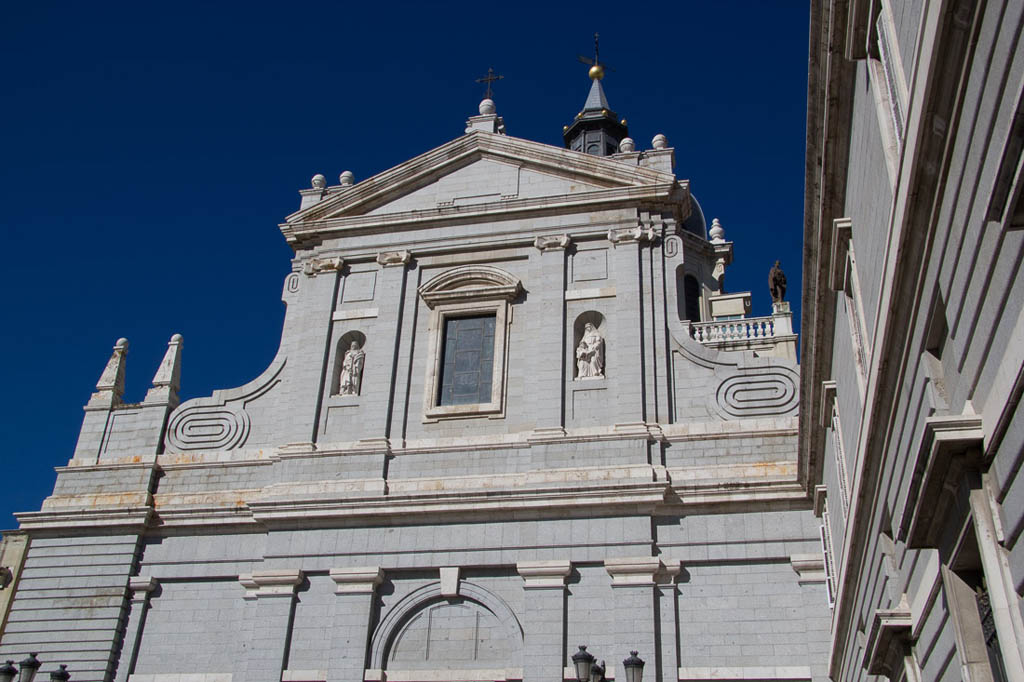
[(913, 334), (512, 412)]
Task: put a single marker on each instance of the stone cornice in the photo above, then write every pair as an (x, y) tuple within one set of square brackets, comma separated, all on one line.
[(463, 150), (314, 231), (342, 501), (129, 518)]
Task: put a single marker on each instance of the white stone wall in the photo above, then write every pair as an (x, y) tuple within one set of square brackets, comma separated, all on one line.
[(282, 531)]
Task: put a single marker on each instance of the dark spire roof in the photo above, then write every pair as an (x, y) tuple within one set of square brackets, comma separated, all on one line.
[(597, 129)]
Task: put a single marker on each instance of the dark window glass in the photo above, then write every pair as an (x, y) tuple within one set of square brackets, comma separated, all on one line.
[(467, 360), (691, 292), (988, 629)]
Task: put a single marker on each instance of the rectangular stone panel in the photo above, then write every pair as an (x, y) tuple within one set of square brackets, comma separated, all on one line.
[(359, 286), (590, 265)]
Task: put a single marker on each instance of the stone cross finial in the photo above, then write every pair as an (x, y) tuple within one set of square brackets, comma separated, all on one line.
[(167, 379), (110, 386), (491, 77)]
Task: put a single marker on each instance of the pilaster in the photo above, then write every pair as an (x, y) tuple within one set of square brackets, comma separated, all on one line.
[(634, 587), (141, 587), (665, 665), (274, 594), (625, 356), (547, 382), (376, 395), (350, 621), (544, 619)]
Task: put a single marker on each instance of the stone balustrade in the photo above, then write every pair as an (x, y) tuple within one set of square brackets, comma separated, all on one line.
[(747, 329)]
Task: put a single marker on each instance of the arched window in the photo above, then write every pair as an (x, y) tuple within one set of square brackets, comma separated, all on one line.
[(469, 308), (691, 297)]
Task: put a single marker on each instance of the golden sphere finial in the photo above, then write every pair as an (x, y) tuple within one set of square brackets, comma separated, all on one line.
[(596, 72)]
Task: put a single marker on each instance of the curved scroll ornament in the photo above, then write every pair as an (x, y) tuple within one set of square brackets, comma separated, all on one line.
[(208, 428), (762, 392), (219, 421), (673, 246), (732, 384)]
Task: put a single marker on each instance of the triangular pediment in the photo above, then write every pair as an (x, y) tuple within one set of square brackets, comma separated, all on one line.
[(478, 168)]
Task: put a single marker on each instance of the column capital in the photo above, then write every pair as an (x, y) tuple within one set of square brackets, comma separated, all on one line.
[(541, 574), (633, 571), (279, 582), (142, 583), (552, 242), (357, 580)]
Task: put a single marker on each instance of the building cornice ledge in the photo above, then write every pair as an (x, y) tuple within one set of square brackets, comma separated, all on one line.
[(132, 518)]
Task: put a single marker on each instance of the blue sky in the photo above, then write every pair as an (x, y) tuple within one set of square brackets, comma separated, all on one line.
[(151, 149)]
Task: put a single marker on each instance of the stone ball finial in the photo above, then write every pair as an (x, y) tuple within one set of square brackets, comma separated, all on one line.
[(659, 141), (627, 145), (717, 232), (347, 178), (176, 338), (487, 107), (319, 181), (121, 343)]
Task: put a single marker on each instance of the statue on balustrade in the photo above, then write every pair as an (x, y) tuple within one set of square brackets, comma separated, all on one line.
[(590, 354), (777, 283)]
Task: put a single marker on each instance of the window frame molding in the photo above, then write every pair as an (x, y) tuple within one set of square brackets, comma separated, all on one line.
[(467, 291)]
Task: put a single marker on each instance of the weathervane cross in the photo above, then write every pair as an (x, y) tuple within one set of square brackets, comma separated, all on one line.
[(491, 77), (596, 61)]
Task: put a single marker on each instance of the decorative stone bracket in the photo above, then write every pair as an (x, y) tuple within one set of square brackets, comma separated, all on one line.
[(552, 243), (316, 266), (390, 259), (630, 235)]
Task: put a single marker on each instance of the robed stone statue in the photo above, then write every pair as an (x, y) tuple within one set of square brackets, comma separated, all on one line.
[(777, 283), (352, 370), (590, 354)]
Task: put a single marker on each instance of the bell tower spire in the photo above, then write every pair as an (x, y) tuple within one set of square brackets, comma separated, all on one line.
[(596, 129)]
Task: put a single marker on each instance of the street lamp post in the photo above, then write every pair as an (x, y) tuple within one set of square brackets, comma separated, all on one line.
[(27, 669), (62, 674), (587, 670)]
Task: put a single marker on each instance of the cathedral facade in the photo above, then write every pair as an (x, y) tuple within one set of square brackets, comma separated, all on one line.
[(513, 412)]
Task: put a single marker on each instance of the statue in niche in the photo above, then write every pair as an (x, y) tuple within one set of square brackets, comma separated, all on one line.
[(777, 283), (590, 354), (352, 370)]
